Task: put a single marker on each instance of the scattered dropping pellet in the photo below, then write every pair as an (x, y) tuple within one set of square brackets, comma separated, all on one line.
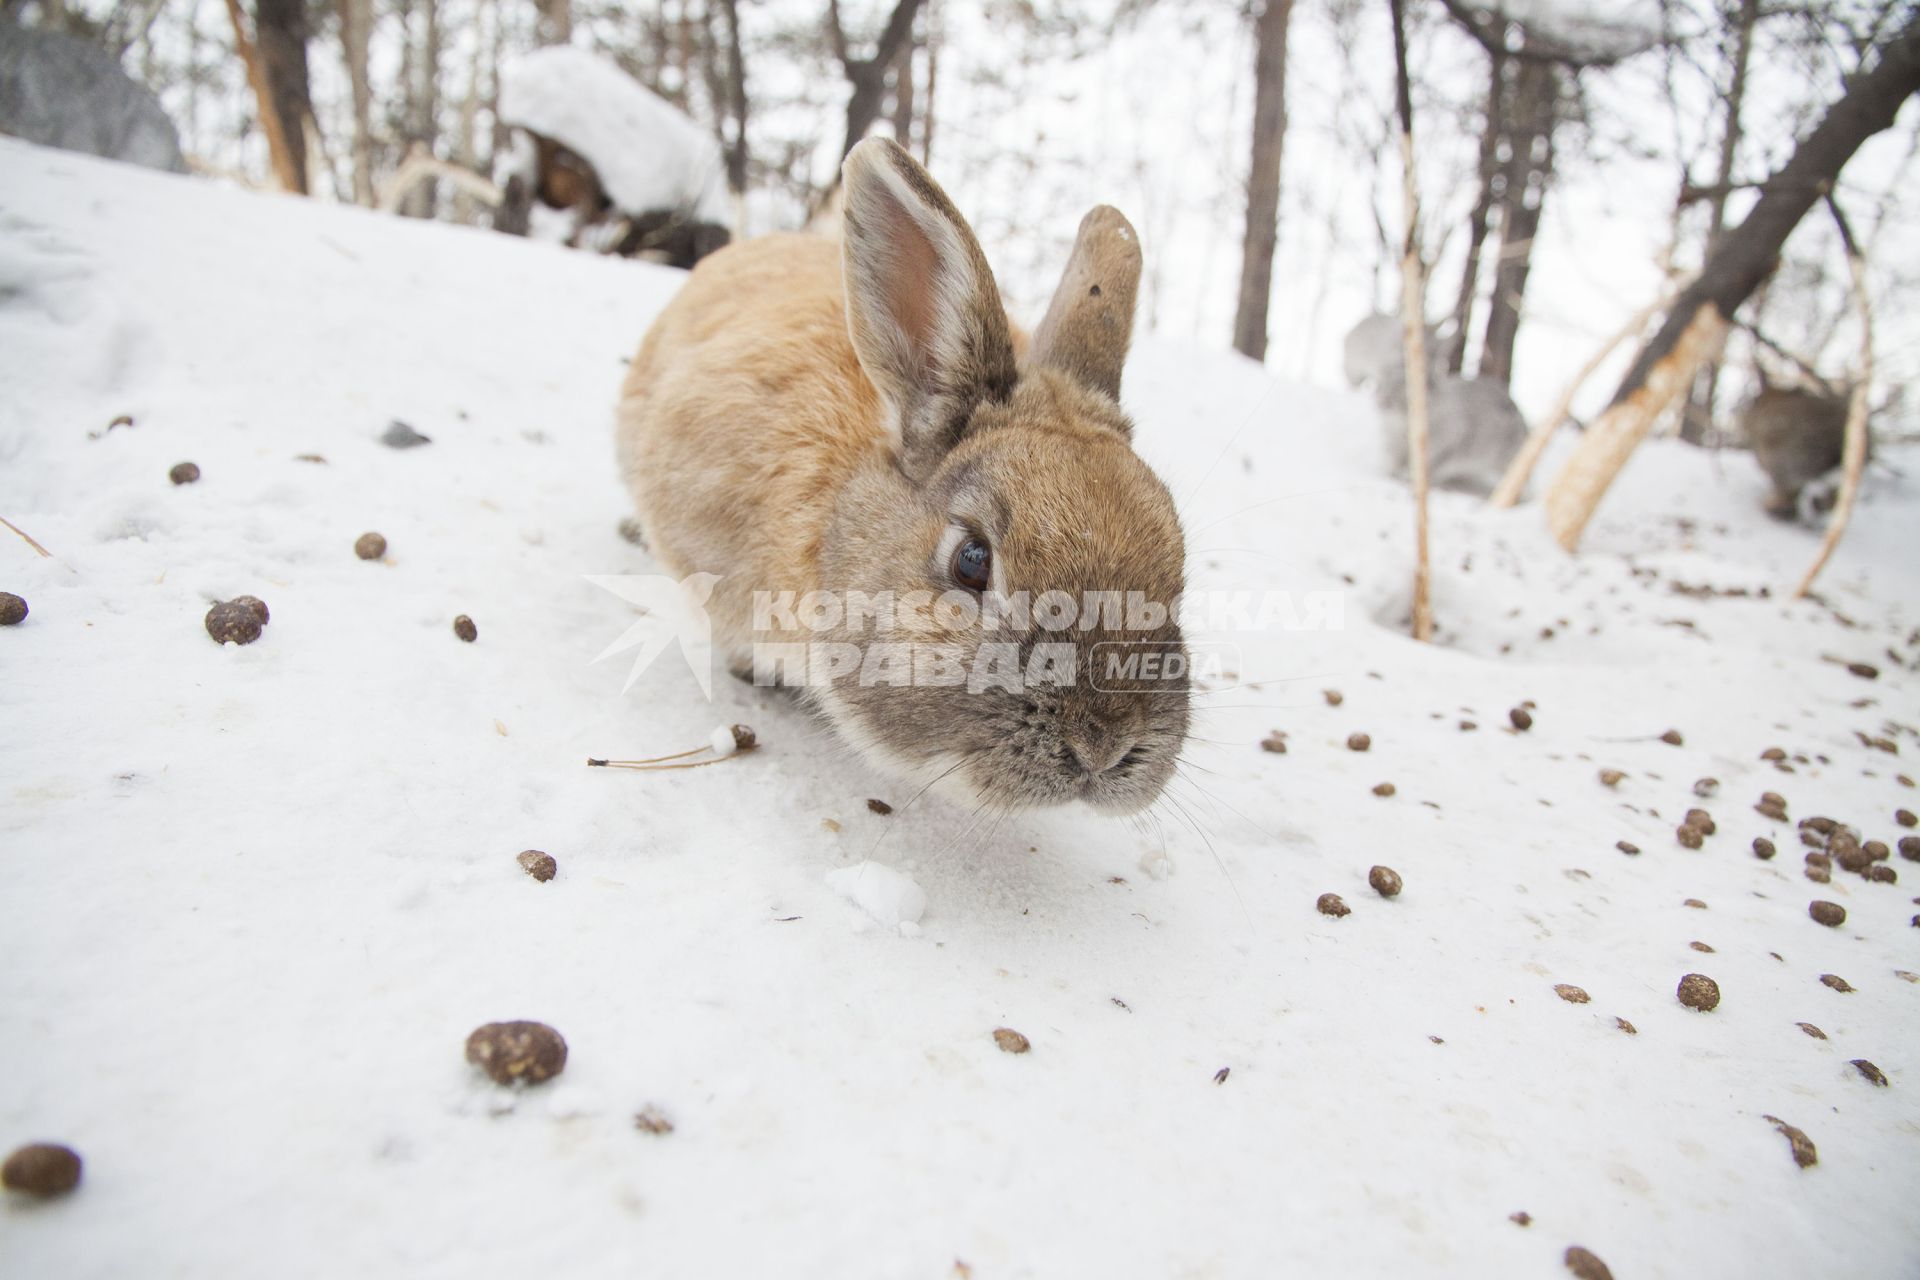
[(1220, 1076), (370, 546), (1818, 873), (650, 1119), (1522, 1218), (1611, 777), (1905, 817), (1870, 1073), (1772, 805), (1830, 914), (880, 807), (1690, 837), (1775, 754), (230, 622), (1584, 1265), (1762, 848), (1385, 881), (1275, 742), (1880, 873), (1701, 946), (1818, 859), (1876, 850), (1804, 1152), (464, 628), (1570, 993), (184, 472), (1520, 718), (1468, 726), (1333, 696), (1909, 846), (1626, 1026), (1626, 846), (1011, 1041), (1695, 903), (258, 606), (630, 531), (1329, 904), (540, 866), (13, 610), (1811, 1030), (744, 738), (830, 825), (41, 1169), (1865, 670), (1383, 789), (1358, 742), (517, 1052), (1701, 820), (1706, 787), (1824, 826), (1672, 738), (1837, 982), (1698, 991)]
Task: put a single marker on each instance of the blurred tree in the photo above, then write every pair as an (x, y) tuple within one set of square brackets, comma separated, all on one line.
[(868, 76), (1263, 177)]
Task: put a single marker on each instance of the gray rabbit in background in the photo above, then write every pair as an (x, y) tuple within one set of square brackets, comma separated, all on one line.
[(1796, 436), (1473, 426)]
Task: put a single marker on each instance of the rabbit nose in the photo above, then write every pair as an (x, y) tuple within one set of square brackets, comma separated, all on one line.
[(1099, 755)]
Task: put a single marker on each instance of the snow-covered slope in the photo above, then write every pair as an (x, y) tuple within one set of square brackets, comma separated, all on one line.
[(255, 898)]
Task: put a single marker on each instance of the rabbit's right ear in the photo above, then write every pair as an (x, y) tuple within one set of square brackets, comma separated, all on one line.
[(1089, 324), (922, 307)]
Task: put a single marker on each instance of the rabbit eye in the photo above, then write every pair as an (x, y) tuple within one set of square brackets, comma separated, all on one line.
[(973, 564)]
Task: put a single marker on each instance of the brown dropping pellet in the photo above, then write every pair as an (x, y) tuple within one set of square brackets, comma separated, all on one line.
[(1804, 1153), (1358, 742), (1690, 837), (1329, 904), (1824, 826), (1811, 1030), (1848, 853), (1584, 1265), (1011, 1041), (1870, 1073), (464, 628), (1570, 993), (1333, 696), (518, 1052), (1385, 881), (880, 807), (13, 610), (540, 866), (1837, 982), (41, 1169), (1672, 738), (1626, 1026), (1706, 787), (1468, 726), (1830, 914), (1520, 718), (1772, 805), (1701, 946), (1695, 903), (1275, 742), (744, 738), (1698, 991), (370, 546), (1876, 850), (1812, 839), (1910, 848), (258, 606), (230, 622), (184, 472), (1762, 848), (1818, 859), (1522, 1218), (1701, 820), (1383, 789), (1626, 846), (650, 1119), (1865, 670), (1611, 777), (1819, 874), (1905, 817), (1880, 873)]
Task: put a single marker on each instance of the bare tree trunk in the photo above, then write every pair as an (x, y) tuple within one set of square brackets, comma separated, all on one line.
[(1263, 178), (1413, 329), (555, 22), (1529, 169), (903, 96), (273, 62), (1699, 417), (423, 102), (1697, 323), (1853, 454), (869, 76), (356, 32), (933, 80), (1489, 168)]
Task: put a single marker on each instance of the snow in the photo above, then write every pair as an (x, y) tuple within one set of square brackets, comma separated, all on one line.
[(1592, 29), (890, 897), (256, 897), (649, 156)]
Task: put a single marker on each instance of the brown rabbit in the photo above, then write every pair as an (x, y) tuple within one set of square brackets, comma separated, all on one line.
[(860, 417)]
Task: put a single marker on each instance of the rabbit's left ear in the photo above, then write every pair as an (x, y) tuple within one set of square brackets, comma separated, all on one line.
[(1090, 322)]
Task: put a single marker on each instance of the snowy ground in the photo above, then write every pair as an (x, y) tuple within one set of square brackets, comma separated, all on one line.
[(255, 898)]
